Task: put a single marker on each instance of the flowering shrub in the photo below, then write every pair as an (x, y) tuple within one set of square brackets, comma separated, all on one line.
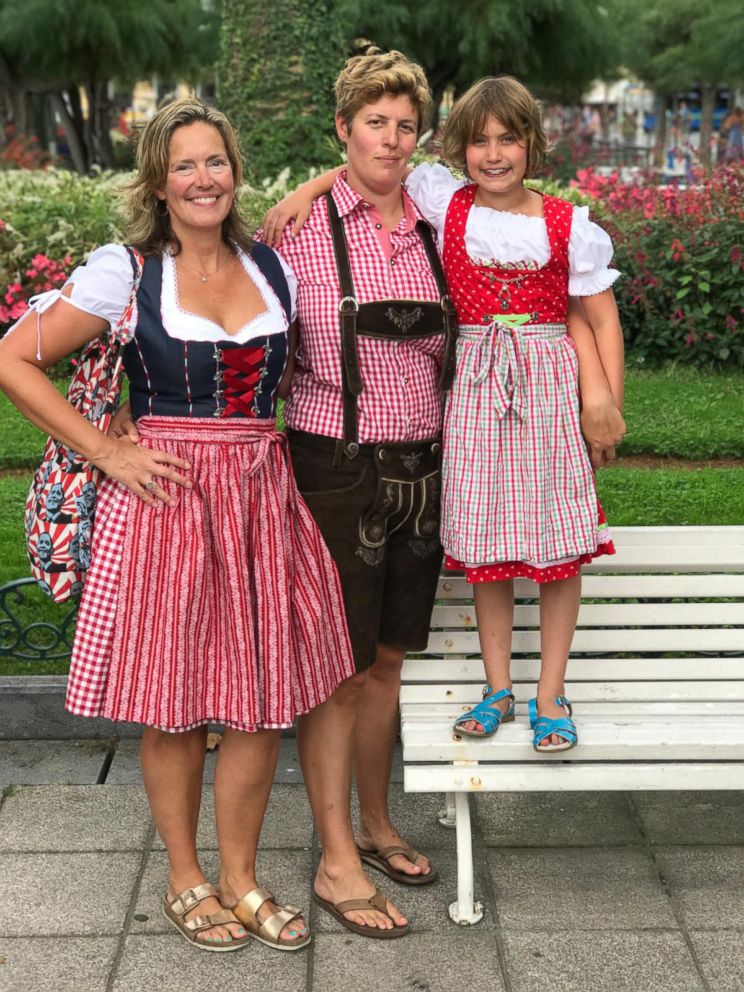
[(42, 275), (681, 252), (22, 152)]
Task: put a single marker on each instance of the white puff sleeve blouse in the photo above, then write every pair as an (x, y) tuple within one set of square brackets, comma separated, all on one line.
[(103, 286), (496, 235)]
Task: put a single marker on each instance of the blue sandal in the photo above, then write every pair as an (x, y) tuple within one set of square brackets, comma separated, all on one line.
[(488, 717), (545, 726)]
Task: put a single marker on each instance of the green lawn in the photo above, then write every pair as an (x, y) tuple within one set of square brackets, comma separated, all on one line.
[(684, 413)]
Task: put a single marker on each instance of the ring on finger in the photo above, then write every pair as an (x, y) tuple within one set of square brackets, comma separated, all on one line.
[(149, 486)]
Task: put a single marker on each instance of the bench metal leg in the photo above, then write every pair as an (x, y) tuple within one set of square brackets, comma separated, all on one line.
[(465, 911), (446, 816)]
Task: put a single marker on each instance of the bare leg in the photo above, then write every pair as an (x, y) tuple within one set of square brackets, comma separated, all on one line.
[(172, 768), (559, 610), (374, 742), (494, 610), (242, 782), (325, 739)]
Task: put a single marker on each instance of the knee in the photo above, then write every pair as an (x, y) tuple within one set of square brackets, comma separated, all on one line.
[(387, 664)]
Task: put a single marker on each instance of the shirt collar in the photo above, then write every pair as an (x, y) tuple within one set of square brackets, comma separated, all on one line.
[(347, 200)]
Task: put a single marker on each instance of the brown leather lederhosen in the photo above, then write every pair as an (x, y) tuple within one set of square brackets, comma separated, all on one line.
[(393, 320)]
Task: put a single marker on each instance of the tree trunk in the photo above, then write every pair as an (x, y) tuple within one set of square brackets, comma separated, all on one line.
[(662, 104), (69, 126), (99, 108), (708, 103)]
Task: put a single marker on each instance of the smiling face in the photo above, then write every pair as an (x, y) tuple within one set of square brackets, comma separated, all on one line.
[(496, 160), (379, 142), (199, 187)]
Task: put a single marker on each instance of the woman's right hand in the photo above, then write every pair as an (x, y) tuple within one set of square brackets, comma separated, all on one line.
[(139, 468), (294, 206)]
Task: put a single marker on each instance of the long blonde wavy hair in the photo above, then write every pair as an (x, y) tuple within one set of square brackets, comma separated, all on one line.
[(148, 229)]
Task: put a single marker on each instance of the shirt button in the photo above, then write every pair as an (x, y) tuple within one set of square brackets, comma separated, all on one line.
[(378, 226), (405, 380), (392, 261)]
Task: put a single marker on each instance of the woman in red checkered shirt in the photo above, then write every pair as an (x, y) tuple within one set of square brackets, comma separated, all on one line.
[(359, 501)]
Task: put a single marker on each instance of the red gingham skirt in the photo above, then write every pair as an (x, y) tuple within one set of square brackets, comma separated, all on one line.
[(225, 608)]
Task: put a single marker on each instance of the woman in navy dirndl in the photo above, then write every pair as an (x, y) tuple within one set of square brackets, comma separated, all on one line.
[(210, 596)]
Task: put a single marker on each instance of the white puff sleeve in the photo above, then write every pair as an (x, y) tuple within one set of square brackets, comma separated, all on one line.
[(291, 283), (432, 187), (589, 256)]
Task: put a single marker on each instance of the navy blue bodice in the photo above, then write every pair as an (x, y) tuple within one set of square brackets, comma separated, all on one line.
[(174, 378)]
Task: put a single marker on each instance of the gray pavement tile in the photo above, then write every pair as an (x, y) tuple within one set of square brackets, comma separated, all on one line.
[(425, 906), (416, 963), (168, 964), (692, 817), (74, 818), (125, 767), (58, 762), (556, 819), (288, 822), (600, 962), (78, 894), (285, 873), (707, 884), (56, 964), (583, 888), (415, 816), (721, 958)]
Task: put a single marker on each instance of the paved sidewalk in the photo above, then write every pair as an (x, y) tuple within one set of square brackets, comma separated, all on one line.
[(582, 892)]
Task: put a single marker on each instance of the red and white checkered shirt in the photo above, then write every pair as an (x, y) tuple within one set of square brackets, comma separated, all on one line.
[(401, 400)]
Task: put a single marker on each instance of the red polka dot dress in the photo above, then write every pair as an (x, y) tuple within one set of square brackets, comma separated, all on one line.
[(519, 496)]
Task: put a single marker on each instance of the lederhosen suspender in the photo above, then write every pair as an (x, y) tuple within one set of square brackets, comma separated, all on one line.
[(394, 320)]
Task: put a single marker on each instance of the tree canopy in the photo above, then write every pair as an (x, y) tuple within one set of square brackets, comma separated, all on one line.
[(58, 47), (556, 46)]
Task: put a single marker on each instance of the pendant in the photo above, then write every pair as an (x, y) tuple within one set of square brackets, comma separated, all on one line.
[(204, 279)]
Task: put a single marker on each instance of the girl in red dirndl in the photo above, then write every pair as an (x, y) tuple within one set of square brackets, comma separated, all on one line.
[(519, 495)]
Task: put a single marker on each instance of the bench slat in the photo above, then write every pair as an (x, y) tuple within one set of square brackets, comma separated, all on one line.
[(716, 738), (617, 586), (610, 615), (575, 777), (670, 639), (579, 669), (582, 691)]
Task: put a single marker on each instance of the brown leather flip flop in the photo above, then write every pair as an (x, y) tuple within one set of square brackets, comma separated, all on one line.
[(376, 901), (380, 860)]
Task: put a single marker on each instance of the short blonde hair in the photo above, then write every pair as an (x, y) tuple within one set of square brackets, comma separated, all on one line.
[(511, 103), (366, 78), (149, 229)]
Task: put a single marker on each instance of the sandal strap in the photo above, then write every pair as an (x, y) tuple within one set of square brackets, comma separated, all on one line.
[(386, 853), (187, 900), (559, 701), (562, 726), (252, 901), (484, 713), (376, 901), (274, 924)]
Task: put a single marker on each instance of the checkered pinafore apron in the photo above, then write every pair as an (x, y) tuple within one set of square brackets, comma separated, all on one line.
[(518, 487)]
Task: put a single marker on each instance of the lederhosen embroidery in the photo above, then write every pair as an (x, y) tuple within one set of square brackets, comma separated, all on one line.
[(408, 478), (393, 320)]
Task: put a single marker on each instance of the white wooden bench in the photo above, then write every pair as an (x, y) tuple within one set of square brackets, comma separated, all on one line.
[(656, 677)]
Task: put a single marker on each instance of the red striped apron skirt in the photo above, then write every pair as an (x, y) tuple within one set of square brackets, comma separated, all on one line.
[(224, 608)]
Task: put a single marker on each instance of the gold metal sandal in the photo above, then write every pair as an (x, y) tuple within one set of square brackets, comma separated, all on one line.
[(176, 909), (268, 931)]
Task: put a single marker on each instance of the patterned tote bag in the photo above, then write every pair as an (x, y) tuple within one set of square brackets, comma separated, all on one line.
[(61, 503)]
